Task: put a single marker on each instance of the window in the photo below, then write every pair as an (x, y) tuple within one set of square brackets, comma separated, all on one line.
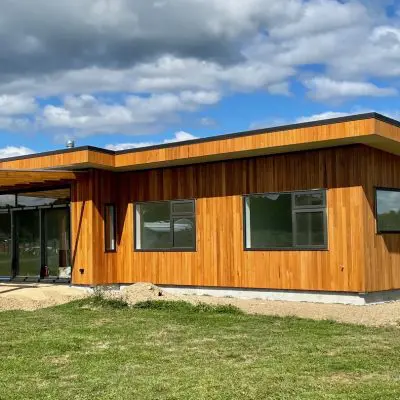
[(388, 210), (286, 220), (166, 225), (109, 227)]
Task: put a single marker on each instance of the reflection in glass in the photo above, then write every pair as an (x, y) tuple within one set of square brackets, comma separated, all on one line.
[(183, 207), (309, 199), (166, 225), (310, 228), (7, 200), (388, 210), (184, 232), (155, 226), (28, 242), (40, 248), (56, 224), (44, 198), (109, 227), (5, 244), (285, 220), (270, 221)]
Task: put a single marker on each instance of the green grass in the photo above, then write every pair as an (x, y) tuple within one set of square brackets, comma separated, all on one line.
[(97, 349)]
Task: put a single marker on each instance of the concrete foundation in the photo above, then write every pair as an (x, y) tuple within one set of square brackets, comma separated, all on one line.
[(289, 295)]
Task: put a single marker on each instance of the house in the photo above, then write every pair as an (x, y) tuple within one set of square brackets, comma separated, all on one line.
[(301, 212)]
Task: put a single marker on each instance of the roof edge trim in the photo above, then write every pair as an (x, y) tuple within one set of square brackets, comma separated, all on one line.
[(279, 128)]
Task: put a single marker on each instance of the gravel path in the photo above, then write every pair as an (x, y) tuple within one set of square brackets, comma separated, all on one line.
[(34, 296)]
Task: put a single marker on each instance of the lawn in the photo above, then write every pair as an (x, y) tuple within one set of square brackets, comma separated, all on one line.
[(84, 350)]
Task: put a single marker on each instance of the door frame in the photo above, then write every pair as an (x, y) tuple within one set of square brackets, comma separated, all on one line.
[(42, 236)]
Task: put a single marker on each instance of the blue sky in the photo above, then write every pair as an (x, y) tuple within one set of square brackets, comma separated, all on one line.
[(121, 74)]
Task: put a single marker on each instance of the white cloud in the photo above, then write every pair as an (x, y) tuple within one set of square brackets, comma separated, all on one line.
[(87, 114), (321, 116), (394, 114), (271, 122), (207, 121), (274, 121), (15, 124), (178, 137), (323, 88), (165, 74), (13, 151), (281, 88), (17, 105), (170, 57)]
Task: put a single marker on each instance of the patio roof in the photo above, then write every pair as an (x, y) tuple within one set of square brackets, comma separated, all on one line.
[(16, 179)]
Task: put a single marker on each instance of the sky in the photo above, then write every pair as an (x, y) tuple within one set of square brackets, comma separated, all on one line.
[(122, 74)]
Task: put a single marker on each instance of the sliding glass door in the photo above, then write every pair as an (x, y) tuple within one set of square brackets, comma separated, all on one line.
[(56, 242), (35, 234), (6, 251), (28, 249)]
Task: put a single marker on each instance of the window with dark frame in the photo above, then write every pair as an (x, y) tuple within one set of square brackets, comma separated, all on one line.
[(110, 227), (165, 225), (287, 220), (388, 210)]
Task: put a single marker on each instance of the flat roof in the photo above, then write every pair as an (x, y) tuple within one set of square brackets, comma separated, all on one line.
[(371, 129)]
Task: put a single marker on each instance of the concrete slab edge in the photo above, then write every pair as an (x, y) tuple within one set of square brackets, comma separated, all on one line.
[(325, 297)]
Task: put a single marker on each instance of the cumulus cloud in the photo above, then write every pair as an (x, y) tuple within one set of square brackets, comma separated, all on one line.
[(136, 66), (88, 114), (13, 151), (207, 121), (271, 122), (321, 116), (17, 105), (323, 88), (178, 137)]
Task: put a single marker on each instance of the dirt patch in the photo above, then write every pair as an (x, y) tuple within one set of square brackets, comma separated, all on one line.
[(373, 315), (31, 297), (144, 291), (34, 296)]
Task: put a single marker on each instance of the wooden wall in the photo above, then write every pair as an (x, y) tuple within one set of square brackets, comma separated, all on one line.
[(220, 259), (382, 251), (89, 194)]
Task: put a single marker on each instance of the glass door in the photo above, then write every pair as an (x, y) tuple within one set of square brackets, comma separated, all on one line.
[(27, 235), (57, 242), (5, 245)]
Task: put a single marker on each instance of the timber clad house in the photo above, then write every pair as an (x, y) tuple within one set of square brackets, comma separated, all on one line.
[(308, 211)]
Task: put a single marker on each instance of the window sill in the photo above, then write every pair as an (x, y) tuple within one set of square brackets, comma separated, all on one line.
[(324, 248), (177, 250)]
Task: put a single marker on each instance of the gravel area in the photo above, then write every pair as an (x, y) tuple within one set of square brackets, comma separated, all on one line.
[(29, 297), (34, 296)]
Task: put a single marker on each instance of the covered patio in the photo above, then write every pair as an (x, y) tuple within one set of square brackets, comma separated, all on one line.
[(35, 239)]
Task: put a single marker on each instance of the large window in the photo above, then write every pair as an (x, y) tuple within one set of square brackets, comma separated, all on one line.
[(388, 210), (294, 220), (166, 225)]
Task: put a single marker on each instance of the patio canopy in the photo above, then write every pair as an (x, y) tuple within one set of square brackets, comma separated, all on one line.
[(17, 179)]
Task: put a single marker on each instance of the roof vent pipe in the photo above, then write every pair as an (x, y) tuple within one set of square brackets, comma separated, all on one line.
[(70, 144)]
